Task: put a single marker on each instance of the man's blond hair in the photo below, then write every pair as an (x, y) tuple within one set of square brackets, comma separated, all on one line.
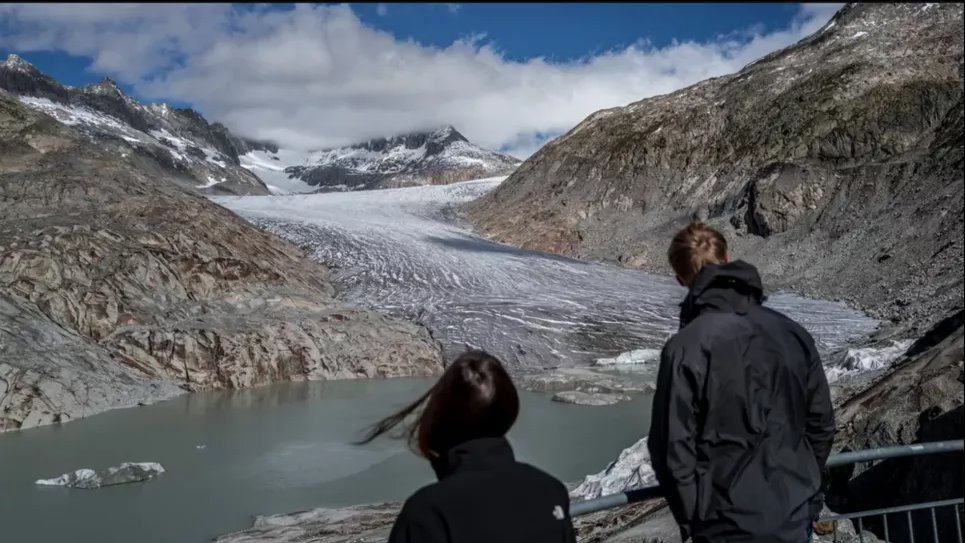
[(694, 247)]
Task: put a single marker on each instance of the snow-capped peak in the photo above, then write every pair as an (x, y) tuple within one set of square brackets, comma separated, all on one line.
[(438, 156), (180, 140), (107, 86), (16, 62)]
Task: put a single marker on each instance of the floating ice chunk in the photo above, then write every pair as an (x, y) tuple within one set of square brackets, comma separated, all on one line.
[(128, 472), (631, 470), (211, 182), (638, 356), (578, 397)]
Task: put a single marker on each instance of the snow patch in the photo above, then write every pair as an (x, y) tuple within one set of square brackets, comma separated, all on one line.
[(211, 182), (866, 359), (270, 168), (859, 34)]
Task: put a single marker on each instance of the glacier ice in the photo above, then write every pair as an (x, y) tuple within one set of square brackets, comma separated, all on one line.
[(128, 472)]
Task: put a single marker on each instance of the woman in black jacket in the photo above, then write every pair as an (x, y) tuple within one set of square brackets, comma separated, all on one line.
[(483, 494)]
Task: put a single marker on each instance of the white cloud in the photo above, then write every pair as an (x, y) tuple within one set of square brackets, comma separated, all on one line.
[(316, 76)]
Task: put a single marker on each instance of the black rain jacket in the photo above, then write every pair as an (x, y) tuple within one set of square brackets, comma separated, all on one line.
[(484, 495), (742, 417)]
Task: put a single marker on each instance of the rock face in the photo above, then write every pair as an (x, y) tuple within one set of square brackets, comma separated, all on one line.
[(369, 523), (128, 472), (921, 400), (119, 288), (194, 153), (835, 165), (424, 158)]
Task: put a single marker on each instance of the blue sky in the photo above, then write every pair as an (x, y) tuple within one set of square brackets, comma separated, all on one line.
[(508, 75)]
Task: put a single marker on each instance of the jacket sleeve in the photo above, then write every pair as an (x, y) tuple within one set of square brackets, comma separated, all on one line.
[(819, 422), (819, 430), (673, 428), (569, 533), (418, 523)]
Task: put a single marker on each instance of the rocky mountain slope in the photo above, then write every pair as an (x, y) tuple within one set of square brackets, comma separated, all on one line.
[(423, 158), (118, 287), (835, 165), (194, 153)]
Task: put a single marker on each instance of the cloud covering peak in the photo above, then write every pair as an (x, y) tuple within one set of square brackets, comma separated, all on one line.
[(313, 76)]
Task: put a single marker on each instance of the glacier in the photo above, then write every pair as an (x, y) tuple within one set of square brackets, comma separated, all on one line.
[(407, 252)]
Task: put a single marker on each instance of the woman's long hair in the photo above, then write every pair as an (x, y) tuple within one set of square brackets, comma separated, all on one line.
[(474, 398)]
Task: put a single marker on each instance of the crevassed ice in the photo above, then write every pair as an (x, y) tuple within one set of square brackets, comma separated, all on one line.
[(403, 252)]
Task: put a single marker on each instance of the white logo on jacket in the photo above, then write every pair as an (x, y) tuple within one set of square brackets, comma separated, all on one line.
[(558, 513)]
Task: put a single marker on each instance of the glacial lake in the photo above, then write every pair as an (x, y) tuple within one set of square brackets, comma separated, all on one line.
[(230, 455)]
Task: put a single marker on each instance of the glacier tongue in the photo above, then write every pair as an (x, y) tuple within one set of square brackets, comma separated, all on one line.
[(404, 251)]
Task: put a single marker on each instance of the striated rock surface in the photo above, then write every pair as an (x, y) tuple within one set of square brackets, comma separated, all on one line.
[(119, 288), (835, 165), (128, 472), (368, 523)]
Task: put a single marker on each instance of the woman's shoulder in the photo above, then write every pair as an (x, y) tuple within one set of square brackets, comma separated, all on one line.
[(543, 479), (425, 498)]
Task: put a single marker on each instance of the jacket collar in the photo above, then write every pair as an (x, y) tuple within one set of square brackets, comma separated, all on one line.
[(734, 287), (474, 455)]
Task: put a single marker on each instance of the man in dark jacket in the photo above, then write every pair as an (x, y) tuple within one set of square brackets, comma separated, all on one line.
[(742, 417)]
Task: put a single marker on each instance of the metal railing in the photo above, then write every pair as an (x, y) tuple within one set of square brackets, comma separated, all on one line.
[(930, 507), (638, 495)]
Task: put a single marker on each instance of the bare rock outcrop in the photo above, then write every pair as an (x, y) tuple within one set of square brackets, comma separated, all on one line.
[(118, 288), (921, 400), (835, 165)]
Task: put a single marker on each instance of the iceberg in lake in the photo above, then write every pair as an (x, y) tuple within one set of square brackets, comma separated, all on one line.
[(128, 472), (637, 356)]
